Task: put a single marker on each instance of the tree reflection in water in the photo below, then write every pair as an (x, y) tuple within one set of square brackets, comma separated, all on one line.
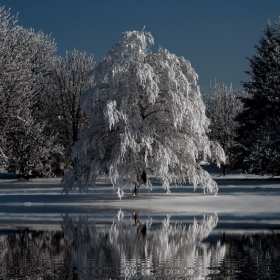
[(36, 255), (123, 251), (130, 249), (251, 257)]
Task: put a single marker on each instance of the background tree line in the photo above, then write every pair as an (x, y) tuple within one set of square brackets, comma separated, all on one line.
[(39, 100), (247, 123), (41, 116)]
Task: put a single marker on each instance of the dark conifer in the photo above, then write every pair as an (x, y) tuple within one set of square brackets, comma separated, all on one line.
[(259, 134)]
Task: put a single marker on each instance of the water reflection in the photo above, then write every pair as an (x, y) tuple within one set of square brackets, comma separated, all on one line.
[(134, 247), (252, 257), (36, 255), (132, 250)]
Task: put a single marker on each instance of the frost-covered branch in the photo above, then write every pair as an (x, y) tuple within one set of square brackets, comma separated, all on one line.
[(153, 120)]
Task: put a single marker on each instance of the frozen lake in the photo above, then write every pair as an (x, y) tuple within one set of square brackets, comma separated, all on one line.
[(182, 235)]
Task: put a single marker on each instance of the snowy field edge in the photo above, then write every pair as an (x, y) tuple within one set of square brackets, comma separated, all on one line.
[(238, 193)]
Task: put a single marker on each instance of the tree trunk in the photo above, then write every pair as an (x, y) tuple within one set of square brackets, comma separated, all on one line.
[(141, 175), (225, 166), (136, 189)]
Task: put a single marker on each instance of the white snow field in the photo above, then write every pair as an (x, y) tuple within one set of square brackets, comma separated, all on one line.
[(39, 203)]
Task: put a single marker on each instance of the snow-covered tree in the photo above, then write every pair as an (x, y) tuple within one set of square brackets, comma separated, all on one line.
[(70, 76), (259, 134), (223, 104), (28, 150), (24, 67), (146, 117)]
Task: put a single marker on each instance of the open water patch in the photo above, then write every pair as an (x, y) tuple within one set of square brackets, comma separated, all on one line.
[(116, 244)]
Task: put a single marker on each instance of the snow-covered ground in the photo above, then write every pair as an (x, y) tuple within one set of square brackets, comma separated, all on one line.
[(248, 200)]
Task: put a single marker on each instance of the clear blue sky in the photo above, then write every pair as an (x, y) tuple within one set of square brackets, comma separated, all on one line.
[(216, 36)]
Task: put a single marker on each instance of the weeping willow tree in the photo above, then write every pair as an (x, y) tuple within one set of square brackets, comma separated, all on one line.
[(146, 118)]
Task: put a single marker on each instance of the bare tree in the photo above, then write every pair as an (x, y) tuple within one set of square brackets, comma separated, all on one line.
[(223, 104), (70, 77)]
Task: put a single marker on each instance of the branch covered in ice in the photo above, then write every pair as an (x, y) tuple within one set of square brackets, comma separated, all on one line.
[(145, 114)]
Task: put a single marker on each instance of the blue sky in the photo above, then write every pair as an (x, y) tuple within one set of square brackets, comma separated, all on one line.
[(216, 36)]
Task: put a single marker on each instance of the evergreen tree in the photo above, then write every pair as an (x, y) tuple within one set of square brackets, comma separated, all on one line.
[(259, 135)]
